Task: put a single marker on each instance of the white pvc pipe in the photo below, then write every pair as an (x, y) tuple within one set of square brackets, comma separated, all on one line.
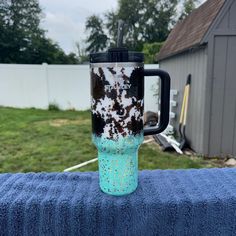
[(147, 141), (80, 165)]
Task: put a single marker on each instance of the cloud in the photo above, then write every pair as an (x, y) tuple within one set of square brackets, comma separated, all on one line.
[(65, 19), (64, 29)]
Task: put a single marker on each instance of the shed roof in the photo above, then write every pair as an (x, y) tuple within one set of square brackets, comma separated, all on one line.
[(189, 32)]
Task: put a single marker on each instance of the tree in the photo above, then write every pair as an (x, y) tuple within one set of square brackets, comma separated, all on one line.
[(188, 7), (150, 51), (22, 40), (20, 21), (72, 58), (45, 50), (146, 21), (97, 40)]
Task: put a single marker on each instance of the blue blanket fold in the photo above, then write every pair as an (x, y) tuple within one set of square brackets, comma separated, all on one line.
[(170, 202)]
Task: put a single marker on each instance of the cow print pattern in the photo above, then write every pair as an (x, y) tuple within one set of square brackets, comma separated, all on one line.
[(117, 101)]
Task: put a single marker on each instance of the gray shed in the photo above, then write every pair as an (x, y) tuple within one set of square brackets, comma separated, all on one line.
[(204, 45)]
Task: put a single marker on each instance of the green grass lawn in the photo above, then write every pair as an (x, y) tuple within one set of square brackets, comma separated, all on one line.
[(37, 140)]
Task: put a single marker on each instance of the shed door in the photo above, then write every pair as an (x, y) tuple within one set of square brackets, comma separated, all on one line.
[(223, 110)]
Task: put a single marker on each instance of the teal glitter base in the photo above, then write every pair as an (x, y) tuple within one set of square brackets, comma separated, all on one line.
[(118, 164)]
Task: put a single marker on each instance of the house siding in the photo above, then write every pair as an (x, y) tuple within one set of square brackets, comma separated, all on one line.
[(222, 139), (194, 63), (229, 19), (221, 115)]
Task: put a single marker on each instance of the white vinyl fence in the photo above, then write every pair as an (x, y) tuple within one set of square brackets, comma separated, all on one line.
[(68, 86)]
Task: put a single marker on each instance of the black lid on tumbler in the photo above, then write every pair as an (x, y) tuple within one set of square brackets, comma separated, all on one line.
[(116, 55)]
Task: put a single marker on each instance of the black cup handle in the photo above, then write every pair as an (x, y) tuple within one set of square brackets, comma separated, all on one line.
[(165, 101)]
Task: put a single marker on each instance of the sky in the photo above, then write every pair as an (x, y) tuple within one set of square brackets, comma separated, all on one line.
[(65, 19)]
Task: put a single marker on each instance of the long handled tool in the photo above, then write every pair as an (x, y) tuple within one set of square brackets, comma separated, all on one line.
[(183, 115), (168, 143)]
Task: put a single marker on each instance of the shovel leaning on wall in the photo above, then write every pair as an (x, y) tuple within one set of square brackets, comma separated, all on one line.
[(183, 116)]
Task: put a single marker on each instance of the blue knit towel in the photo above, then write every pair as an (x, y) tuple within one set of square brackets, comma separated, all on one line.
[(192, 202)]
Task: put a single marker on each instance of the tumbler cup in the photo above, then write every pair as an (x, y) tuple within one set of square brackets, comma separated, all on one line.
[(117, 107)]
